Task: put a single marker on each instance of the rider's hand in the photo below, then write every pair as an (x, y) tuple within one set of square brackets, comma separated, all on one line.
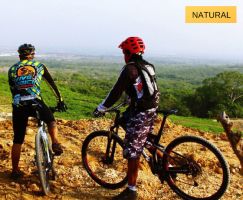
[(61, 106), (99, 111)]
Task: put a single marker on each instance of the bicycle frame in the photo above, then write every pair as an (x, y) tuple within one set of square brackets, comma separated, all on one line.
[(113, 130)]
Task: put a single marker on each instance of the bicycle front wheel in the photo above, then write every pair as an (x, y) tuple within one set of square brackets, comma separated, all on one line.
[(102, 156), (42, 163), (195, 169)]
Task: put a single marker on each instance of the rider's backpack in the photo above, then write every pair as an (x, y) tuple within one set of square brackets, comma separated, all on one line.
[(148, 74), (150, 98)]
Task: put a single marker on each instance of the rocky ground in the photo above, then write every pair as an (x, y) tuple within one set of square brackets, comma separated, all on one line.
[(72, 180)]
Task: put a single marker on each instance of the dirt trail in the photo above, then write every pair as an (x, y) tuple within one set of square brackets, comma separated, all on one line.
[(72, 180)]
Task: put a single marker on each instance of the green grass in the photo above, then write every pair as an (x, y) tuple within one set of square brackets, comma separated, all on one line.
[(205, 125), (5, 95), (79, 105)]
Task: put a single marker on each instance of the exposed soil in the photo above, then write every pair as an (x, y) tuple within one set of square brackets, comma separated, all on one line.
[(72, 180)]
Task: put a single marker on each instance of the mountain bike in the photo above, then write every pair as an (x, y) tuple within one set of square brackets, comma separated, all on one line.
[(192, 166), (43, 154)]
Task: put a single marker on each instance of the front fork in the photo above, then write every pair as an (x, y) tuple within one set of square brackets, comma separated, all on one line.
[(46, 144), (111, 147)]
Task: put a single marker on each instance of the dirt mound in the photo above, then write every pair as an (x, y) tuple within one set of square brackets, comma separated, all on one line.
[(72, 180), (5, 116)]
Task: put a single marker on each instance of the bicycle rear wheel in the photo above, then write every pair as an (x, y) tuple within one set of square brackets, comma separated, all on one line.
[(195, 169), (103, 159), (42, 163)]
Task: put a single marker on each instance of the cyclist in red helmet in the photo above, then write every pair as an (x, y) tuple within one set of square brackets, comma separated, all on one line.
[(24, 80), (137, 79)]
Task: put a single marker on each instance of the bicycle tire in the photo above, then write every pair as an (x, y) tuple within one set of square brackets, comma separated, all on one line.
[(215, 169), (109, 175), (41, 162)]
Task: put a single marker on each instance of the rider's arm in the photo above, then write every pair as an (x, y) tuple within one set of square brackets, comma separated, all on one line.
[(11, 82), (128, 75), (50, 81)]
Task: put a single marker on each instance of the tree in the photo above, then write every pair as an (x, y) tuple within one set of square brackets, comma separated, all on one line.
[(235, 138), (222, 92), (170, 101)]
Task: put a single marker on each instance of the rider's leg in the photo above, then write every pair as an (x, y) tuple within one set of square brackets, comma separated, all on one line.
[(132, 171), (20, 120), (15, 155), (137, 129), (52, 129)]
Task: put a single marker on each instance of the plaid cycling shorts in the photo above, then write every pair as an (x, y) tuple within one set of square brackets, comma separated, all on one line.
[(137, 128)]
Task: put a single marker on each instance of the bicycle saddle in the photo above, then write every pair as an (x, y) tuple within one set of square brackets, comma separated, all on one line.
[(167, 112)]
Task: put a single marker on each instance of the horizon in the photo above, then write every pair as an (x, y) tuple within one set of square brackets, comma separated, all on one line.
[(78, 55)]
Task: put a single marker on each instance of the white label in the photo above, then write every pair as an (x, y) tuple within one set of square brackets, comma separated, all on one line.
[(138, 85)]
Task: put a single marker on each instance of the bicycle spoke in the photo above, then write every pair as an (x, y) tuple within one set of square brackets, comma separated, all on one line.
[(194, 169), (42, 164), (201, 179), (105, 168)]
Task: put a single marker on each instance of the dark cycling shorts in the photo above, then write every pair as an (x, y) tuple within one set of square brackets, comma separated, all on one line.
[(20, 118), (137, 128)]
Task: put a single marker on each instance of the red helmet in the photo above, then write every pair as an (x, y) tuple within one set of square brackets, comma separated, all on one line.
[(132, 45)]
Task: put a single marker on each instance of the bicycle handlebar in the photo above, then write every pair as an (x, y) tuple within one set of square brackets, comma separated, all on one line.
[(167, 112), (116, 108), (164, 112)]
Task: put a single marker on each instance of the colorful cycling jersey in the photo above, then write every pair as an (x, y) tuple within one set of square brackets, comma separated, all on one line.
[(25, 78)]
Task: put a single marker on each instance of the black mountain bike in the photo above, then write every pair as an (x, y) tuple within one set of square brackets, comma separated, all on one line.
[(43, 153), (193, 167)]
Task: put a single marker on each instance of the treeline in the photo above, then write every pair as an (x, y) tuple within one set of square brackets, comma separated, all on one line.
[(224, 92), (201, 91)]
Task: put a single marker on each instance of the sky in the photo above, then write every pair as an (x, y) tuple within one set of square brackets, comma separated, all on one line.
[(99, 26)]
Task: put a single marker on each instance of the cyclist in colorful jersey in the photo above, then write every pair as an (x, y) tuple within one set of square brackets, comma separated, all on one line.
[(137, 79), (24, 81)]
